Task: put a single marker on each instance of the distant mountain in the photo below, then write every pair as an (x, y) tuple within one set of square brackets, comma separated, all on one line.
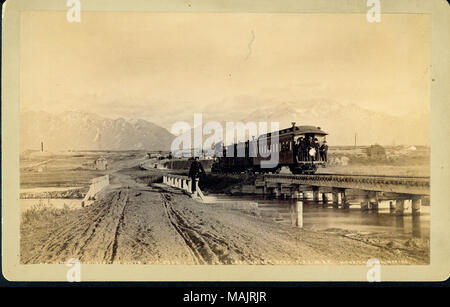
[(343, 121), (86, 131)]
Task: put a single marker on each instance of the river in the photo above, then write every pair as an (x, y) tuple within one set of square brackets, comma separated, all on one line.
[(319, 217)]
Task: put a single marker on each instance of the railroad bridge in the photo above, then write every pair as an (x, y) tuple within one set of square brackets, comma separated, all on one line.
[(369, 189)]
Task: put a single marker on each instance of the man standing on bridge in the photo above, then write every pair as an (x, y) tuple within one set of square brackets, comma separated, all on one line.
[(195, 171)]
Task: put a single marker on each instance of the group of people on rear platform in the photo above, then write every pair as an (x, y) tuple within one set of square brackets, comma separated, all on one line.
[(309, 149)]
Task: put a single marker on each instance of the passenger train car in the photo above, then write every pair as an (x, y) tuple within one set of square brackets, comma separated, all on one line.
[(298, 159)]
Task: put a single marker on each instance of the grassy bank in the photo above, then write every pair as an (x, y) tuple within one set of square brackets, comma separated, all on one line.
[(219, 183), (143, 176)]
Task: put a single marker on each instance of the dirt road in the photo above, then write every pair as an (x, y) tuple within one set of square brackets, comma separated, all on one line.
[(135, 223)]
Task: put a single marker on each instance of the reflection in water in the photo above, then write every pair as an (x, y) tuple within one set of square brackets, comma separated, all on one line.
[(416, 226), (399, 222), (319, 217), (296, 213)]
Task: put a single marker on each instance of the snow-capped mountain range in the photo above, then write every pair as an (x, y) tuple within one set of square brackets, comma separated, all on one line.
[(342, 122), (86, 131)]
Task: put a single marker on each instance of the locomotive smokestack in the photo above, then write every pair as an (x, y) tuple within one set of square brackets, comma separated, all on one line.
[(293, 124)]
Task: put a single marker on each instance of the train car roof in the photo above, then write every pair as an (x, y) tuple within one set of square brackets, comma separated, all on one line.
[(299, 130), (309, 129)]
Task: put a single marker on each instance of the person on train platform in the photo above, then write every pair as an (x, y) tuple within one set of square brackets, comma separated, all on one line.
[(324, 151), (305, 149), (301, 149), (310, 146), (296, 149), (316, 148)]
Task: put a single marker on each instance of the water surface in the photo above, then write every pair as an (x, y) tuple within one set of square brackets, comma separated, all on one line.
[(316, 216)]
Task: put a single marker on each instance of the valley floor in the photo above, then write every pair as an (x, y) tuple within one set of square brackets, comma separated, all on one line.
[(132, 222)]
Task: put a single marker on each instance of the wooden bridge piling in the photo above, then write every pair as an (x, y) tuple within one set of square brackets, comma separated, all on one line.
[(415, 205), (400, 207), (372, 190), (373, 200), (324, 199), (392, 206), (315, 192), (336, 199)]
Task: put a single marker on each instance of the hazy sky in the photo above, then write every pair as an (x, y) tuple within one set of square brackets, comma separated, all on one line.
[(148, 65)]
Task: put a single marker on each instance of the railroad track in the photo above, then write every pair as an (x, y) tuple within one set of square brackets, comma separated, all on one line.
[(351, 175), (372, 176), (397, 184), (358, 177)]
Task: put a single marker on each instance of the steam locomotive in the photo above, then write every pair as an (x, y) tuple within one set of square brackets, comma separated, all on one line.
[(255, 155)]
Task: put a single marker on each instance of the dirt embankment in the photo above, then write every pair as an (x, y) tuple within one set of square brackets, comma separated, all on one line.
[(71, 193), (136, 223)]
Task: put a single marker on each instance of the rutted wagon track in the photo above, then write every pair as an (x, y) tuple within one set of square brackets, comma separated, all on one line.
[(197, 242), (120, 225), (180, 227)]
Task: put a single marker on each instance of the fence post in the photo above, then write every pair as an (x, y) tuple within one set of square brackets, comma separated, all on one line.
[(183, 183), (196, 187)]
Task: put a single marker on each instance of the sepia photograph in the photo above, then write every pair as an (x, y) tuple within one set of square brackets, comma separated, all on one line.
[(105, 178), (227, 139)]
